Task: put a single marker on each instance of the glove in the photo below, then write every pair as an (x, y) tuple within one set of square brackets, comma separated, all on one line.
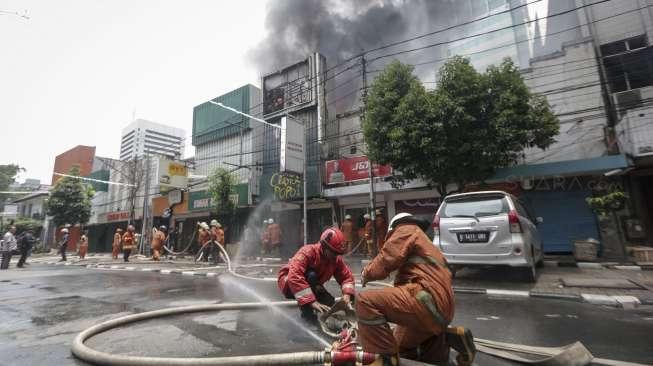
[(319, 307), (364, 279)]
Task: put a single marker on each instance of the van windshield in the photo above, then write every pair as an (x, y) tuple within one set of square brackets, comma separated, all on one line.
[(475, 207)]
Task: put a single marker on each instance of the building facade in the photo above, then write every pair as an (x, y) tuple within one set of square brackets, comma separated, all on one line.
[(79, 156), (142, 137)]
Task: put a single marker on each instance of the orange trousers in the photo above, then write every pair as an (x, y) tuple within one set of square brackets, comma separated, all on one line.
[(83, 249), (115, 251), (156, 253), (416, 335)]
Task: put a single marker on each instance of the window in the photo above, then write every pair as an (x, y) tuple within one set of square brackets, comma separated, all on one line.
[(474, 206), (628, 64)]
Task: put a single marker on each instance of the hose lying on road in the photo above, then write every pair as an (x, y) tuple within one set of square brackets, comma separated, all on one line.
[(185, 249)]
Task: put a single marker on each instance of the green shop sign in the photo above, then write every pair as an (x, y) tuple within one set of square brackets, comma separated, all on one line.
[(201, 200)]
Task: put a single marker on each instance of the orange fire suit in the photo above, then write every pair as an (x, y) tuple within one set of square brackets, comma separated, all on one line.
[(265, 239), (381, 231), (158, 240), (292, 279), (367, 232), (347, 229), (83, 246), (217, 234), (128, 244), (203, 237), (421, 303), (275, 235), (115, 246)]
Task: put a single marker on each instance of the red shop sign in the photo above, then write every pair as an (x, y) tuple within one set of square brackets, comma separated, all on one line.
[(353, 169)]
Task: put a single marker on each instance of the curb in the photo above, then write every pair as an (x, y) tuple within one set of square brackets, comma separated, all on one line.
[(598, 265)]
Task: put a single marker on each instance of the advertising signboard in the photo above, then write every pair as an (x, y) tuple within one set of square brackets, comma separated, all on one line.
[(172, 175), (353, 169), (292, 146)]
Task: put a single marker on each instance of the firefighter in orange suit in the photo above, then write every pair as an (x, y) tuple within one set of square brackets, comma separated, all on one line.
[(347, 228), (158, 241), (128, 242), (274, 230), (421, 303), (265, 237), (367, 234), (117, 243), (381, 229), (203, 237), (217, 236), (313, 265)]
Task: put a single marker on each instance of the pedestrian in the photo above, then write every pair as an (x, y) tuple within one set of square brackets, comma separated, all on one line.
[(265, 237), (304, 276), (117, 243), (128, 242), (63, 244), (7, 246), (203, 238), (274, 230), (83, 245), (158, 241), (367, 233), (347, 228), (421, 303), (26, 245), (381, 226)]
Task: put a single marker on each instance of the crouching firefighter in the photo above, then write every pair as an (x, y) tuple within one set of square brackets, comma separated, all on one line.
[(313, 265), (421, 303)]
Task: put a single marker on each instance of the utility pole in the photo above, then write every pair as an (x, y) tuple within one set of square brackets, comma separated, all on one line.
[(369, 161), (146, 208)]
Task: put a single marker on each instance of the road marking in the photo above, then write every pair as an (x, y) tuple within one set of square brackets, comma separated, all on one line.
[(165, 271), (114, 267), (188, 273), (130, 268), (211, 274), (507, 293), (631, 268), (599, 299)]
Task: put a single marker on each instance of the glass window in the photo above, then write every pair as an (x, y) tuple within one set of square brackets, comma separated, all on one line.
[(630, 70), (475, 207)]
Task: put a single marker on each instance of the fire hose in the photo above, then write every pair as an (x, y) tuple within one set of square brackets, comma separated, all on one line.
[(185, 249), (571, 355)]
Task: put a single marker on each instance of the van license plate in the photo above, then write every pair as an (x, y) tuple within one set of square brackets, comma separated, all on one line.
[(474, 237)]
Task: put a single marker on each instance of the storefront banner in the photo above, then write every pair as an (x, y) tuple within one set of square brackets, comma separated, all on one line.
[(353, 169)]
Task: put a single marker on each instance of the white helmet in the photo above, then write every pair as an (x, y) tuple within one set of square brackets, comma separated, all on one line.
[(347, 217), (64, 230), (215, 223), (367, 216), (265, 221), (270, 221), (204, 225), (396, 219)]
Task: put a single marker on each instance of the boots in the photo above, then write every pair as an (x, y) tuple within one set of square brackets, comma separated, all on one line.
[(386, 360), (462, 340)]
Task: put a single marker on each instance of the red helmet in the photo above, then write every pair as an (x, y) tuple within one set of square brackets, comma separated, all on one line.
[(334, 239)]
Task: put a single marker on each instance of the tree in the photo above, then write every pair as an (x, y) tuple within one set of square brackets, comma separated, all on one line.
[(470, 125), (70, 200), (221, 187), (7, 177)]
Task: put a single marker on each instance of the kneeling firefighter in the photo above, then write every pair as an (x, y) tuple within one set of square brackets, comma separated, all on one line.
[(313, 265), (421, 303)]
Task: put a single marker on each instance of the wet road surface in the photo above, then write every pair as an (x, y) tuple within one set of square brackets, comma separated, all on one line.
[(44, 307)]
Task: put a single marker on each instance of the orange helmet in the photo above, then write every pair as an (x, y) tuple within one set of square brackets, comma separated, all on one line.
[(334, 239)]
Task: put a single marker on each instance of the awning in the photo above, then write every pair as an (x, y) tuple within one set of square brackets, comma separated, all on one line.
[(579, 167)]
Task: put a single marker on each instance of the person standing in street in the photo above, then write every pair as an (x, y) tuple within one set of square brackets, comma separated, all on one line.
[(217, 236), (265, 237), (347, 229), (8, 245), (381, 226), (203, 238), (421, 303), (367, 233), (128, 242), (26, 244), (63, 244), (83, 245), (304, 276), (158, 241), (275, 237), (117, 243)]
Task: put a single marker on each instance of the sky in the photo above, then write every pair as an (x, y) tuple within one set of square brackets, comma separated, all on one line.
[(77, 71)]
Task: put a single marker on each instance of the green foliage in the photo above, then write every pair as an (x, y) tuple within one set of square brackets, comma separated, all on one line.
[(607, 203), (8, 174), (23, 224), (472, 124), (221, 187), (70, 200)]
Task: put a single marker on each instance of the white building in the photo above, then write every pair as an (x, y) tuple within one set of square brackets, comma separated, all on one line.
[(145, 137)]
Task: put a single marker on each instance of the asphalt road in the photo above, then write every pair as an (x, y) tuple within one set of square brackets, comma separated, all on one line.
[(43, 307)]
